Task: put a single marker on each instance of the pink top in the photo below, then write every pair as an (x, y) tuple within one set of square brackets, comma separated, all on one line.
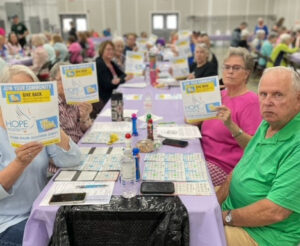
[(218, 144), (14, 49), (39, 58), (91, 49), (75, 53), (2, 31)]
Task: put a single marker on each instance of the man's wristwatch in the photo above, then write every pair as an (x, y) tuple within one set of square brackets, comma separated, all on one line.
[(228, 218)]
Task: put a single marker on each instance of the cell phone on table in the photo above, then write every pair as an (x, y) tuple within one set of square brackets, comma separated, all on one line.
[(157, 188), (67, 198), (175, 142)]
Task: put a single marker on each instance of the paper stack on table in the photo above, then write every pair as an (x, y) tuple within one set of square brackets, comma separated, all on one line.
[(126, 112), (175, 131), (164, 96), (97, 195), (133, 85), (102, 131)]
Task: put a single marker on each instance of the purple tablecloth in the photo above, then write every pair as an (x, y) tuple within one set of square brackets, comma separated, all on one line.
[(206, 227), (27, 61), (295, 57)]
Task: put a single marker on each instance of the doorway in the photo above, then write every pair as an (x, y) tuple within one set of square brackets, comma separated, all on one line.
[(164, 23), (79, 20)]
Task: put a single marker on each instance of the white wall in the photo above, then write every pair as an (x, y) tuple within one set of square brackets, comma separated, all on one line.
[(134, 15), (290, 10), (125, 16), (42, 8)]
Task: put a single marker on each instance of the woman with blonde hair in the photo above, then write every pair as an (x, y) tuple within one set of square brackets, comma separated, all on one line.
[(23, 170), (39, 53), (109, 75), (61, 50)]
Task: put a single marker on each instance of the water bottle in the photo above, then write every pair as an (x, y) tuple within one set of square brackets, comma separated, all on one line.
[(117, 106), (147, 74), (128, 173), (148, 104)]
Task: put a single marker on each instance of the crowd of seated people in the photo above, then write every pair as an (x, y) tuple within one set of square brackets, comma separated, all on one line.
[(244, 121), (271, 47)]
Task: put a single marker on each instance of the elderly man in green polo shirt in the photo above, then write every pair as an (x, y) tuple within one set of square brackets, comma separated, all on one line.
[(261, 198)]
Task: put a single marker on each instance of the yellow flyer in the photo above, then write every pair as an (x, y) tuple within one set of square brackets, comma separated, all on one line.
[(141, 44), (80, 82), (200, 98), (183, 46), (180, 67), (30, 112), (184, 34), (134, 63)]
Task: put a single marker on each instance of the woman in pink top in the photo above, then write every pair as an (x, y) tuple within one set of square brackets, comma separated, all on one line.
[(75, 51), (39, 53), (224, 138), (91, 47), (13, 45)]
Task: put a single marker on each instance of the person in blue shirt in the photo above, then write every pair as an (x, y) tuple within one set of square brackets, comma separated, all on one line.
[(23, 170), (261, 26), (267, 48)]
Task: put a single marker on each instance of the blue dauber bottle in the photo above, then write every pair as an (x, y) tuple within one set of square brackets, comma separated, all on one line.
[(134, 126)]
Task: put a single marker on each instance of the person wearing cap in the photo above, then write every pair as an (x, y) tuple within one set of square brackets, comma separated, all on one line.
[(20, 29)]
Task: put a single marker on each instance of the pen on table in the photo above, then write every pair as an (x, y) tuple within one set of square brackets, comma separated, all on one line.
[(91, 186)]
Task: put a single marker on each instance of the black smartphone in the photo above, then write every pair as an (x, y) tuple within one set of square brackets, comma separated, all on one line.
[(67, 197), (157, 188), (175, 142)]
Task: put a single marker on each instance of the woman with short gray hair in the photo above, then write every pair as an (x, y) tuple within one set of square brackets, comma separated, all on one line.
[(224, 138), (39, 53), (119, 57), (281, 50)]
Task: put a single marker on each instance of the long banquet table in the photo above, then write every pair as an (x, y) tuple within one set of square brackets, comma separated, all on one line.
[(206, 226)]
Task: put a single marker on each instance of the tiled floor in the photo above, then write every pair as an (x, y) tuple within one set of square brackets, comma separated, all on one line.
[(220, 52)]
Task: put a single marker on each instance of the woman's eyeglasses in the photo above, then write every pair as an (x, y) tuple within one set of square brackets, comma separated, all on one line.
[(234, 68)]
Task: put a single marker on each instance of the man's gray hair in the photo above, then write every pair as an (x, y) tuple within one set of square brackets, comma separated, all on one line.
[(55, 69), (295, 75), (10, 71), (244, 54)]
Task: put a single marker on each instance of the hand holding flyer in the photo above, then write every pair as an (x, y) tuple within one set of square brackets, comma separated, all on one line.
[(30, 112), (200, 98), (180, 67), (80, 83), (134, 63)]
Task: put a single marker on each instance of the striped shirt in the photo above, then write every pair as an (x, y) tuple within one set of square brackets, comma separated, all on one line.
[(70, 121)]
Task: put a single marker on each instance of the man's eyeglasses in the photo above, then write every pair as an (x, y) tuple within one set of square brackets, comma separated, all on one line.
[(234, 68)]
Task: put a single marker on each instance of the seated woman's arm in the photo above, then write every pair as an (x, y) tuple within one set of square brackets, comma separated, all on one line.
[(24, 156), (66, 153)]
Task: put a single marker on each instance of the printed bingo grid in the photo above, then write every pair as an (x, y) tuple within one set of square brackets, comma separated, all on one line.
[(101, 137), (175, 167), (99, 159)]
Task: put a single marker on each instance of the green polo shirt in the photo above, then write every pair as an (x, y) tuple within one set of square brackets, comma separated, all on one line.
[(270, 168)]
